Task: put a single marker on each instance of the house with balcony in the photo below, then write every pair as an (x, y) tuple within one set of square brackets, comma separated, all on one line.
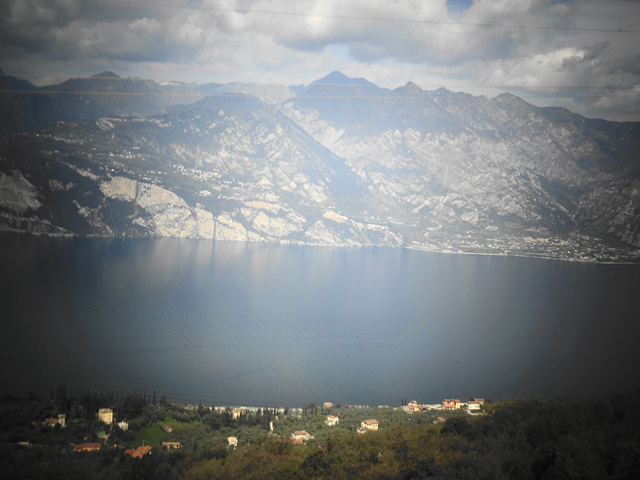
[(332, 420)]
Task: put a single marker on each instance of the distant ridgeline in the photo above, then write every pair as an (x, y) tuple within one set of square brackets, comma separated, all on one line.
[(338, 162), (590, 439)]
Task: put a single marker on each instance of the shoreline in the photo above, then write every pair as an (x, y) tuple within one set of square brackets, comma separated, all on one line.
[(413, 247)]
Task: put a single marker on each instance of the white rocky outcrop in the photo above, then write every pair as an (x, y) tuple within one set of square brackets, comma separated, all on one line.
[(17, 194)]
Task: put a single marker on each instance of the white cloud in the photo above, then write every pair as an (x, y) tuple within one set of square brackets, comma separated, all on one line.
[(539, 44)]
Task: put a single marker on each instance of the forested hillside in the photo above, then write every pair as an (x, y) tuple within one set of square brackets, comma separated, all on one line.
[(525, 439)]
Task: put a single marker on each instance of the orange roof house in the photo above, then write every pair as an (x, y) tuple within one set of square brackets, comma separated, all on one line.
[(300, 436), (87, 447), (474, 405), (371, 424), (138, 452), (52, 422), (368, 426), (332, 420), (451, 404)]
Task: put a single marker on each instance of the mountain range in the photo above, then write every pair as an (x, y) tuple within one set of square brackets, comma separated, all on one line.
[(340, 161)]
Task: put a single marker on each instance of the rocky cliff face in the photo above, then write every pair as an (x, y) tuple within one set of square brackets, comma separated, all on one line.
[(456, 162), (342, 163)]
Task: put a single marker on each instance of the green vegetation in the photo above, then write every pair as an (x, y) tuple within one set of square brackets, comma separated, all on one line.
[(151, 435), (526, 439)]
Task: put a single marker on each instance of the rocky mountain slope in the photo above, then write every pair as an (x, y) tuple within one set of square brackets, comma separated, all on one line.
[(338, 162)]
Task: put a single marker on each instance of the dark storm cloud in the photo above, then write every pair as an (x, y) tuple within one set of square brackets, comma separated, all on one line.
[(590, 56), (629, 63), (66, 30)]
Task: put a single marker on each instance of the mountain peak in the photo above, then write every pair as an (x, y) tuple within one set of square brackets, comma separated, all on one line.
[(106, 74), (507, 97), (511, 100), (339, 78), (410, 88)]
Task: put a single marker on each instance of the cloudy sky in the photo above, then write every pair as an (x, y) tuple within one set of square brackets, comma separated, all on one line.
[(580, 54)]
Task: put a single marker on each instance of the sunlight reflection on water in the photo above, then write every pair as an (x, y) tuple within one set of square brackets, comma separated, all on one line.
[(235, 323)]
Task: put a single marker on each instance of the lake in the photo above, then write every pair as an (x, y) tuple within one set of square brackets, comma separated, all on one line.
[(259, 324)]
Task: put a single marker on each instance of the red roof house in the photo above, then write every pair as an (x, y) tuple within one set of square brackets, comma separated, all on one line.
[(138, 452)]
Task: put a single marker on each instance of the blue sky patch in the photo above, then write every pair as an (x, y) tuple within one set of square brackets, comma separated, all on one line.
[(459, 6)]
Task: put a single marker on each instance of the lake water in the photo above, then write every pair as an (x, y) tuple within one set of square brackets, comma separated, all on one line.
[(255, 324)]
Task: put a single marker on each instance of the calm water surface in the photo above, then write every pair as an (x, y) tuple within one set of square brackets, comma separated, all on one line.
[(234, 323)]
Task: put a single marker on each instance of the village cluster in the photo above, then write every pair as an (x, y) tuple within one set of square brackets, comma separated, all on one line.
[(473, 406), (105, 415)]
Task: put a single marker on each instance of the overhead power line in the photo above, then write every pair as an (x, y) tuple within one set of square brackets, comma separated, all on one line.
[(376, 19)]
